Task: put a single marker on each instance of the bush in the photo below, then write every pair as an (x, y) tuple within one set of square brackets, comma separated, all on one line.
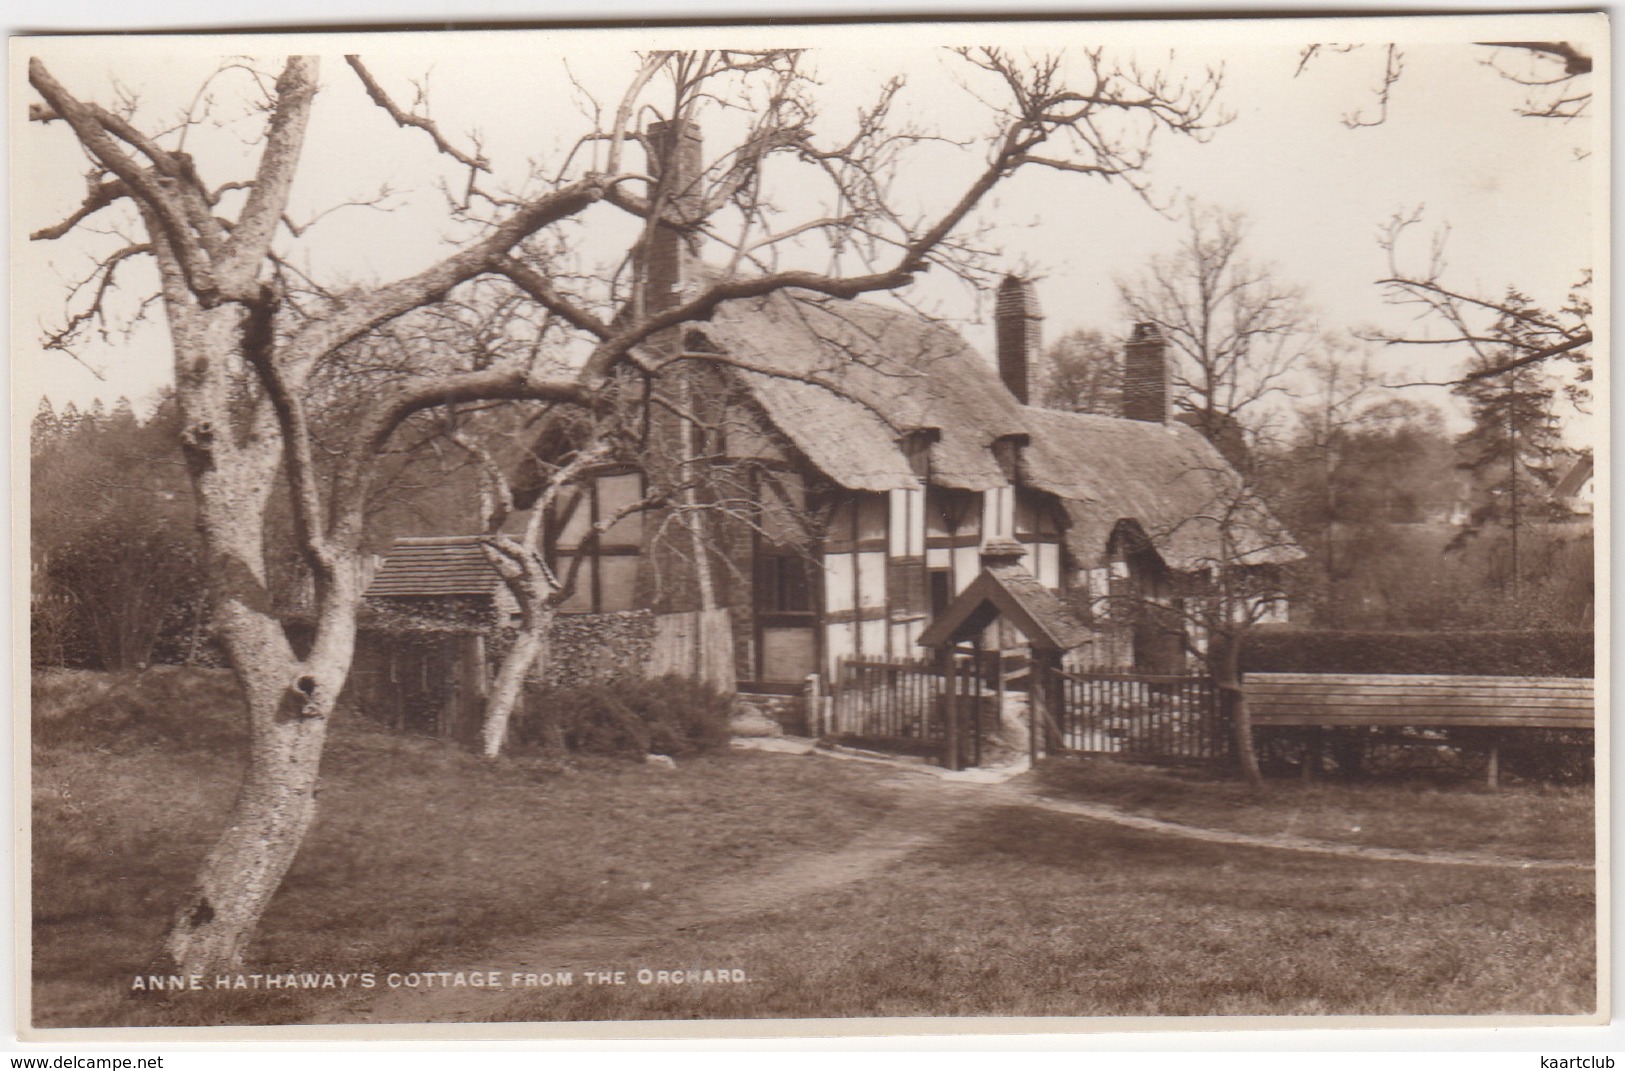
[(666, 716), (163, 705), (1506, 653)]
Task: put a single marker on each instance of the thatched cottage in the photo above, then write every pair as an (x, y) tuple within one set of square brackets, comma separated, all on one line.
[(861, 458)]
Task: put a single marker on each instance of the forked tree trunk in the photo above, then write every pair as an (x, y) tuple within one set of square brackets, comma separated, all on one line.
[(289, 704), (234, 453), (274, 809), (528, 579)]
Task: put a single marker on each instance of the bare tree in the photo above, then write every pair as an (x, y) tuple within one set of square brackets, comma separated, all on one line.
[(1083, 373), (248, 337), (1556, 72), (1235, 328), (1340, 395), (1500, 335), (1215, 601)]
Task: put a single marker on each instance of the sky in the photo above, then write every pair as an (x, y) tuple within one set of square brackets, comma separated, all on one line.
[(1520, 208)]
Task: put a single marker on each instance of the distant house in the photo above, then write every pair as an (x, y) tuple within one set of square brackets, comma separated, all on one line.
[(862, 458), (1577, 488)]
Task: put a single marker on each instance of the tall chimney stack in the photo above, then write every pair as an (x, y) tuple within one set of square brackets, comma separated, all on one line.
[(1146, 375), (675, 160), (1016, 321)]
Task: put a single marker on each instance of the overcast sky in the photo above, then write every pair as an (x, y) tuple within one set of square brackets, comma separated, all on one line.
[(1520, 207)]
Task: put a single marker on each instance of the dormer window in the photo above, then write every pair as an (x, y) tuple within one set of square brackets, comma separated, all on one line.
[(1007, 452)]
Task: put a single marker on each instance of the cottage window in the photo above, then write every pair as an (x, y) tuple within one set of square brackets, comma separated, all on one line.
[(784, 584)]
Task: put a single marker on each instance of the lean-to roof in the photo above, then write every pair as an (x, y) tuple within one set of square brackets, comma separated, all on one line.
[(451, 565)]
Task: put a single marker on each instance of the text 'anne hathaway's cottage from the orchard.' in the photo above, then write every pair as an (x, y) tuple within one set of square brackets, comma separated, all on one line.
[(863, 466)]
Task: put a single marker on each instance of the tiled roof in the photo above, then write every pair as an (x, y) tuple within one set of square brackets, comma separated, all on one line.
[(456, 565), (1006, 589)]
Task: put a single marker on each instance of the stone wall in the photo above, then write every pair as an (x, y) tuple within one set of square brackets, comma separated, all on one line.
[(598, 648)]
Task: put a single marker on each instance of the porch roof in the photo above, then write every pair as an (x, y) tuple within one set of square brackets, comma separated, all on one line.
[(1007, 589)]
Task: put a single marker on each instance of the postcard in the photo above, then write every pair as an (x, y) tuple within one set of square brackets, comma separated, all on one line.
[(835, 528)]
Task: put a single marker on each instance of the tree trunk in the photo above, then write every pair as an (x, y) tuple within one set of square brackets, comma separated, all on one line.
[(529, 648), (233, 453), (1227, 675), (274, 809)]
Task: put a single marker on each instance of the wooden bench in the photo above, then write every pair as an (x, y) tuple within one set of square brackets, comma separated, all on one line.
[(1421, 702)]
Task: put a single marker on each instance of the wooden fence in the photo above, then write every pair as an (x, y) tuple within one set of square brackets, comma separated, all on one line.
[(1163, 718), (697, 645), (888, 702), (902, 706)]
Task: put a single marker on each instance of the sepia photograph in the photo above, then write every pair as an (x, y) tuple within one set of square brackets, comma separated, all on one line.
[(890, 527)]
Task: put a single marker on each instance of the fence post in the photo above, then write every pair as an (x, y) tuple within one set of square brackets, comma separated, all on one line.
[(815, 706), (1036, 676)]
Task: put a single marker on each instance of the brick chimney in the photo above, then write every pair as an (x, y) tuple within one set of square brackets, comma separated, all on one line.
[(1016, 322), (1146, 375), (675, 160)]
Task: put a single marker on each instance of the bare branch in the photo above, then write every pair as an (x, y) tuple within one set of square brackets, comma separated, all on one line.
[(381, 98), (100, 196)]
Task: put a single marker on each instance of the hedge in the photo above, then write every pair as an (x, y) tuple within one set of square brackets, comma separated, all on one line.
[(665, 716), (1498, 653)]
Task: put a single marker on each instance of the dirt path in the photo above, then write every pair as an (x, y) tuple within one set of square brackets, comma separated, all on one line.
[(1281, 841), (927, 809)]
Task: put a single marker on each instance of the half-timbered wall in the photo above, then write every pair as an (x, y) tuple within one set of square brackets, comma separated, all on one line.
[(953, 540), (855, 595), (607, 579), (1038, 528), (780, 621)]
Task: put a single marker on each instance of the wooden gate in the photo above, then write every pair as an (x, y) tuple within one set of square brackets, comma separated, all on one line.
[(1148, 717), (912, 707)]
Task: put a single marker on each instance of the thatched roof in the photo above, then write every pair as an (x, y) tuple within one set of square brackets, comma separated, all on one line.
[(1166, 478), (427, 567), (852, 377)]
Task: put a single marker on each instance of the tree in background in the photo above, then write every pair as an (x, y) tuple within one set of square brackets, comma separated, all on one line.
[(114, 546), (1370, 497), (1512, 449), (1233, 326), (1083, 373)]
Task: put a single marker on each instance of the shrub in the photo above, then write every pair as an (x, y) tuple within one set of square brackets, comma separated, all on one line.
[(194, 708), (1503, 653), (666, 716)]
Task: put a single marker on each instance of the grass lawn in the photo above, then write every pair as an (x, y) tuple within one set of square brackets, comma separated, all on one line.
[(1034, 914), (420, 848), (426, 856), (1522, 821)]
